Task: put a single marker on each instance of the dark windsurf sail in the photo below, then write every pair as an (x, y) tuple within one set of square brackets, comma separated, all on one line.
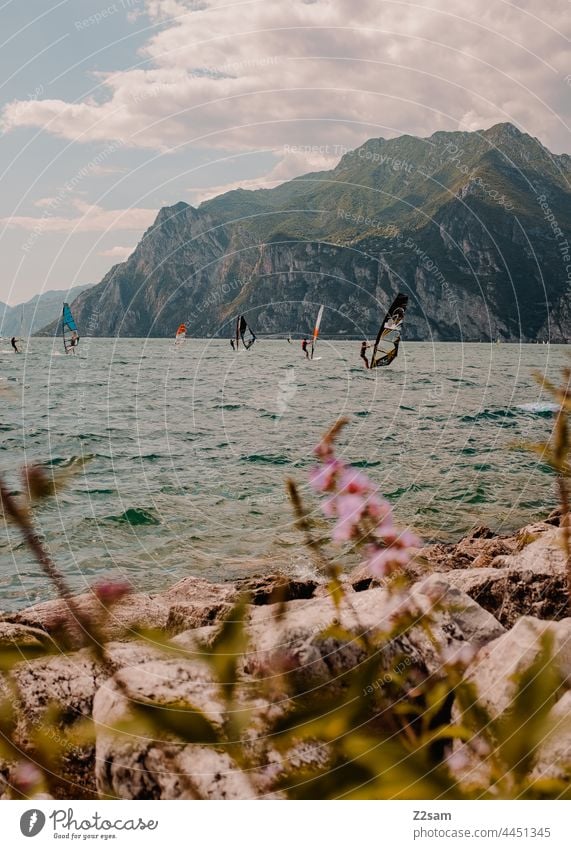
[(69, 329), (388, 338), (245, 333)]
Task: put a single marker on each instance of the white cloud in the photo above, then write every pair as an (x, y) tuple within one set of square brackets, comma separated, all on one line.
[(118, 252), (89, 219), (288, 167), (237, 75)]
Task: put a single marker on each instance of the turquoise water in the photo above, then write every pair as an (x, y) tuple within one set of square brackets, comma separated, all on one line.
[(189, 448)]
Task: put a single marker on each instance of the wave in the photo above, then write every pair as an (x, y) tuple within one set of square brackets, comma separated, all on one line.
[(134, 516), (270, 459), (366, 464), (462, 381), (490, 415), (66, 462), (544, 408)]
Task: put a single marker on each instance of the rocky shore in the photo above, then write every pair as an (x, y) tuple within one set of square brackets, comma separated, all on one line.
[(499, 594)]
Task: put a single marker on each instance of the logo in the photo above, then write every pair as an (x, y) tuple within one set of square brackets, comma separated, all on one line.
[(32, 822)]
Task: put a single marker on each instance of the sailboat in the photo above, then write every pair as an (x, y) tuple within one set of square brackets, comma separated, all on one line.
[(316, 331), (180, 335), (386, 346), (245, 333), (69, 331)]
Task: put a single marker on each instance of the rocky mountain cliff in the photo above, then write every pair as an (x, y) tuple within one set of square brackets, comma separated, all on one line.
[(475, 227)]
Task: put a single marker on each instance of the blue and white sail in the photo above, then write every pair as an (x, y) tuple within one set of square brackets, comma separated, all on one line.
[(69, 331)]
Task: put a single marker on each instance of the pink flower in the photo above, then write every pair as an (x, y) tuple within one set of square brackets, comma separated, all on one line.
[(323, 477), (350, 509), (393, 536), (323, 449), (329, 507), (385, 560), (26, 777), (351, 481), (362, 514), (110, 592), (380, 510)]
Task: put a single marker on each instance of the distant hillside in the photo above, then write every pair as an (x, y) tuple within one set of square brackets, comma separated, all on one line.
[(27, 318), (473, 226)]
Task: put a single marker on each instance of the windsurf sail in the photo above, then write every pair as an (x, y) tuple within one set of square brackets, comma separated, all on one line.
[(245, 333), (69, 329), (316, 329), (388, 338), (180, 334)]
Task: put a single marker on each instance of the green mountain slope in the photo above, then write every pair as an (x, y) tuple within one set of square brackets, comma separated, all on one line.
[(473, 226)]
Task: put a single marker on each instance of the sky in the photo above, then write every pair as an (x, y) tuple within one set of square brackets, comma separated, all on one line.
[(110, 109)]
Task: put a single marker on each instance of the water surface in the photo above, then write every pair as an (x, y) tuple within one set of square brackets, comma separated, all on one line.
[(189, 448)]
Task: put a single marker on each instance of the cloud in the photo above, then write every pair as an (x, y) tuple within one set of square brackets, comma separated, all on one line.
[(289, 166), (238, 75), (90, 219), (118, 252)]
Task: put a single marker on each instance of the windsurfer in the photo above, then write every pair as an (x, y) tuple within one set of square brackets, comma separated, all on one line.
[(304, 348), (74, 339), (233, 344), (363, 353), (13, 343)]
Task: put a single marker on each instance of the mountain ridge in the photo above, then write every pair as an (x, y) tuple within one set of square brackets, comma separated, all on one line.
[(37, 311), (461, 221)]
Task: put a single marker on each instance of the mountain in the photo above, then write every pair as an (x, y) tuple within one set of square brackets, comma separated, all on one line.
[(473, 226), (26, 318)]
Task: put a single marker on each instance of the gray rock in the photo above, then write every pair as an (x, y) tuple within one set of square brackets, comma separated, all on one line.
[(24, 636), (134, 611), (498, 663), (509, 594), (494, 673), (67, 684), (553, 760), (131, 766), (297, 643)]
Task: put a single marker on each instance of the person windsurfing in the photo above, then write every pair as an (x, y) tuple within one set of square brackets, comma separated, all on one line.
[(304, 347), (386, 347), (74, 339), (233, 344), (13, 341), (289, 338), (363, 353)]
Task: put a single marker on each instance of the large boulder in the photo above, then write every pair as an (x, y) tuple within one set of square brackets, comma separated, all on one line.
[(54, 694), (530, 582), (113, 621), (553, 758), (498, 664), (138, 766), (495, 673), (304, 637)]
